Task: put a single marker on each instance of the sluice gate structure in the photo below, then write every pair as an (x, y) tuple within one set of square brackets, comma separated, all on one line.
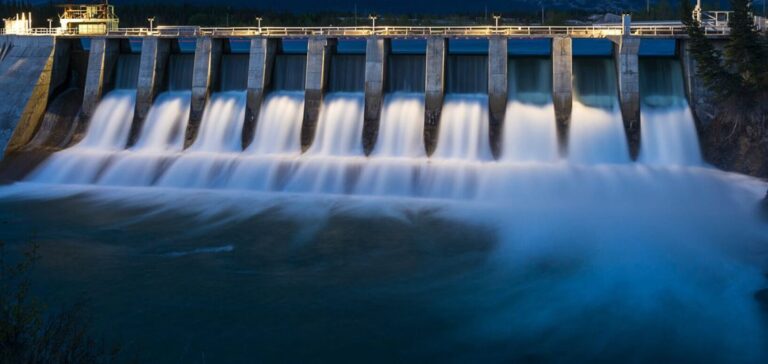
[(40, 73)]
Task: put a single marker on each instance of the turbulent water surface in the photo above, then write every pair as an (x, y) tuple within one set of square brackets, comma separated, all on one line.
[(568, 263), (256, 248)]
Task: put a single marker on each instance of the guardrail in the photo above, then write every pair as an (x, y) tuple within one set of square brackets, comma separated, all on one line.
[(591, 31)]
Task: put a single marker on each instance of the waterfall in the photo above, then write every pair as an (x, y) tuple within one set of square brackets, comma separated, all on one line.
[(464, 128), (107, 132), (212, 153), (530, 130), (332, 161), (462, 142), (278, 129), (667, 129), (277, 141), (340, 126), (596, 133), (161, 135), (399, 152)]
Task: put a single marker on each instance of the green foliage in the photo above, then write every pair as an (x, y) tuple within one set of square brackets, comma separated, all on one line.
[(737, 76), (29, 335)]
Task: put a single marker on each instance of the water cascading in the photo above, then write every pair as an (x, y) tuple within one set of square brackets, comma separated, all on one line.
[(219, 141), (399, 154), (530, 131), (107, 133), (462, 145), (332, 162), (596, 133), (161, 137), (667, 129), (276, 144)]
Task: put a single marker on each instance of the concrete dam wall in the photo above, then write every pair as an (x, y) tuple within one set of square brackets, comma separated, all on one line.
[(52, 87)]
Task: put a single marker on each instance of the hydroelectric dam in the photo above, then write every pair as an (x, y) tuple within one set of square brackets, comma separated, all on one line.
[(338, 110), (378, 194)]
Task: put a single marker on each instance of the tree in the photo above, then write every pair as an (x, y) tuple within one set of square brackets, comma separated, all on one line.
[(738, 76)]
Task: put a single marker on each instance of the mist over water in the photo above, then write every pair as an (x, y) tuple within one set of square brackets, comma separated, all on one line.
[(265, 253)]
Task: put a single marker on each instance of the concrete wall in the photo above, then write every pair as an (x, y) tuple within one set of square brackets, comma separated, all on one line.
[(626, 51), (154, 61), (498, 60), (562, 86), (434, 90), (318, 61), (376, 53), (260, 63), (26, 75), (101, 64), (205, 73)]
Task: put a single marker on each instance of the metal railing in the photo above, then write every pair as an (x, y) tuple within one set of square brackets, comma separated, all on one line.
[(589, 31)]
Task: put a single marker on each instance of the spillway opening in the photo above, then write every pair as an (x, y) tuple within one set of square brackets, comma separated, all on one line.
[(289, 71), (406, 72), (466, 73), (596, 133), (180, 72), (668, 130), (127, 71), (530, 130), (233, 73), (347, 73)]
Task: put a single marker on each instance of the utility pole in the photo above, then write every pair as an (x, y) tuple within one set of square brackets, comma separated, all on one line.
[(258, 20), (373, 22), (496, 19), (151, 21), (50, 25)]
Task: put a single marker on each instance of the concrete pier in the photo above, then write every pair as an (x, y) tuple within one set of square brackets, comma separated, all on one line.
[(27, 70), (101, 64), (626, 51), (434, 90), (562, 86), (260, 63), (154, 61), (498, 60), (318, 61), (205, 73), (376, 53)]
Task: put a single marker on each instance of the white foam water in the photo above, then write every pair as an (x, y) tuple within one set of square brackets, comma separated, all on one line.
[(596, 135), (530, 133), (162, 136), (107, 132), (332, 163), (266, 164), (209, 160), (399, 154), (668, 137)]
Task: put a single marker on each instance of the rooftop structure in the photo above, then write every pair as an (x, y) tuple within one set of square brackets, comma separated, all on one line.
[(88, 19)]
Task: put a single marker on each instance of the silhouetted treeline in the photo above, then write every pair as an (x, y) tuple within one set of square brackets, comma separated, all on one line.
[(135, 15)]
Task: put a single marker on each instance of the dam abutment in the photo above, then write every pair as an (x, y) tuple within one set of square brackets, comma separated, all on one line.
[(498, 62), (376, 54), (205, 71), (434, 90), (260, 64), (319, 51), (626, 54), (155, 52), (562, 86)]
